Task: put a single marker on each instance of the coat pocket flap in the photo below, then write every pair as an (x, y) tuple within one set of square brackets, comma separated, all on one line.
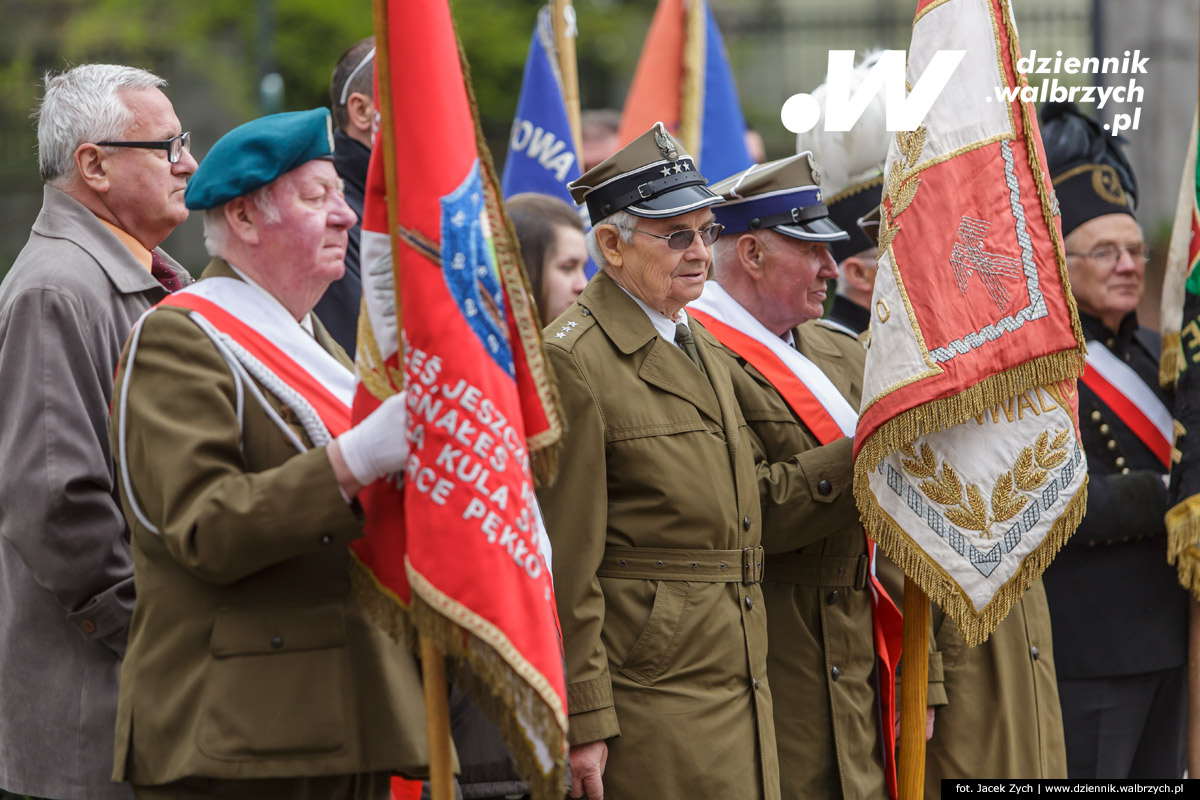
[(277, 629)]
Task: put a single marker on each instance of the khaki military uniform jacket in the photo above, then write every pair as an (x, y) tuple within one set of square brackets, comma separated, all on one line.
[(657, 489), (247, 656), (821, 660)]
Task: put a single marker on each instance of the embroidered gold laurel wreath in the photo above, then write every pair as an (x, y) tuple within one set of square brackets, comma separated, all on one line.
[(971, 510), (902, 183)]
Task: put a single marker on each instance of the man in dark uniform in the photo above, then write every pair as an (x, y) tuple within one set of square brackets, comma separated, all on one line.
[(1118, 611), (353, 101), (850, 311)]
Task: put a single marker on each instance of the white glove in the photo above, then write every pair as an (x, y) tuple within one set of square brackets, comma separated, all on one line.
[(378, 445)]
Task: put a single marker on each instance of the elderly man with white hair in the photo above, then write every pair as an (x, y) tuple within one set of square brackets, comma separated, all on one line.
[(115, 164), (251, 671)]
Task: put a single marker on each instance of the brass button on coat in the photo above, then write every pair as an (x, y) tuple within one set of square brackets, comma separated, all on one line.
[(835, 673), (832, 597), (87, 626), (746, 523), (1033, 651), (749, 603), (824, 487), (276, 642)]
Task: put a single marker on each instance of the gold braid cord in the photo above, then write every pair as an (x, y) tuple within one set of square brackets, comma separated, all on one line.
[(971, 510)]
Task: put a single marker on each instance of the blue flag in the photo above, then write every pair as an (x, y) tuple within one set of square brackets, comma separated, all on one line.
[(723, 127), (541, 151)]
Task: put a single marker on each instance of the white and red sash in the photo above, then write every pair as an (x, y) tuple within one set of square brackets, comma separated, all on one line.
[(1121, 389), (265, 330), (801, 383)]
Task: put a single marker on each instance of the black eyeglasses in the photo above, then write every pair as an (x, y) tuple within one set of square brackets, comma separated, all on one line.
[(682, 240), (176, 146)]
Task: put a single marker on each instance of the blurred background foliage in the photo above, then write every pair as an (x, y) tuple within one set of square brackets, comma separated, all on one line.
[(214, 54)]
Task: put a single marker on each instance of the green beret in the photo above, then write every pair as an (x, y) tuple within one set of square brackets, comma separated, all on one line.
[(252, 155)]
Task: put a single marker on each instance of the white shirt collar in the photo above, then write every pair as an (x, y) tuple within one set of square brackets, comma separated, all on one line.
[(663, 324), (305, 322)]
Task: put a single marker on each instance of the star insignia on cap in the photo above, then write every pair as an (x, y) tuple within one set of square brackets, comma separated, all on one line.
[(666, 171), (678, 167)]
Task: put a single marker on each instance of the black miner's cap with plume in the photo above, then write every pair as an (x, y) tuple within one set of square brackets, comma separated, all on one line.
[(1088, 167)]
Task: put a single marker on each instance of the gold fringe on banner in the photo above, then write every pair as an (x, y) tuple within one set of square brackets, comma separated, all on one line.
[(381, 605), (975, 626), (1171, 360), (1183, 542), (511, 692), (499, 678)]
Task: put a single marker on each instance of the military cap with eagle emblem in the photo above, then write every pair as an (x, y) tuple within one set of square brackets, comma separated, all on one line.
[(783, 195), (252, 155), (652, 176), (1089, 170)]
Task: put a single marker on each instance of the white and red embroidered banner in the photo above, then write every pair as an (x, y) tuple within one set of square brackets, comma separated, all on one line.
[(971, 318)]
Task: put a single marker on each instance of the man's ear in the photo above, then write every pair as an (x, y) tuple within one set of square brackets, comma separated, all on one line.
[(860, 274), (361, 110), (90, 164), (243, 219), (609, 239), (750, 253)]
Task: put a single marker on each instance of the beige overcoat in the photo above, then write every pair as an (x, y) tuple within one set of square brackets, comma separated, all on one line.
[(657, 488), (247, 656), (821, 658)]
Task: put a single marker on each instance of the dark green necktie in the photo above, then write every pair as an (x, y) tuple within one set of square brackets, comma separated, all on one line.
[(683, 338)]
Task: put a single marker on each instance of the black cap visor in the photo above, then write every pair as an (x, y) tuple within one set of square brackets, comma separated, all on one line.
[(675, 202), (821, 229)]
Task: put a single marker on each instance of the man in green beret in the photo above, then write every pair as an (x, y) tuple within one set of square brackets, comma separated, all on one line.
[(251, 672), (657, 517)]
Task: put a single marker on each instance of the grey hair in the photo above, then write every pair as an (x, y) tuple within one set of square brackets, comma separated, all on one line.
[(624, 222), (216, 226), (81, 105)]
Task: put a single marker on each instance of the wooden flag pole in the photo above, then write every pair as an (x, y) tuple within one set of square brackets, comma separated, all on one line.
[(914, 685), (562, 16), (437, 720), (437, 701)]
